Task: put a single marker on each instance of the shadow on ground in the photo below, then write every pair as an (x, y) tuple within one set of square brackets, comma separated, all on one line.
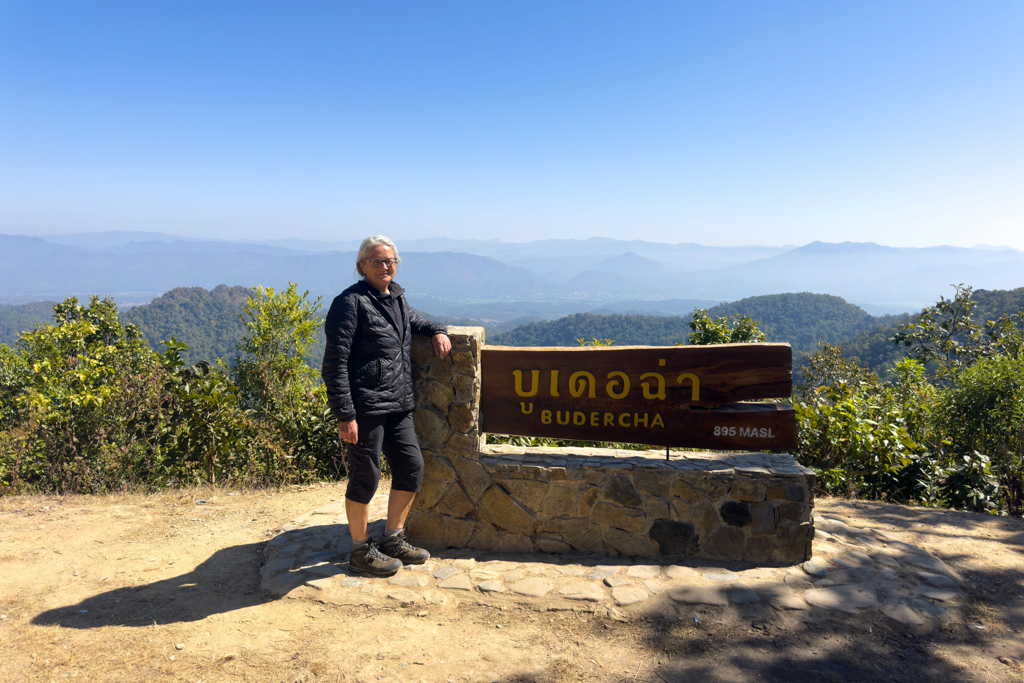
[(227, 581)]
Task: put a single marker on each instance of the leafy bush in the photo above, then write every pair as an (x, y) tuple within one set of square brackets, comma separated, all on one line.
[(88, 406)]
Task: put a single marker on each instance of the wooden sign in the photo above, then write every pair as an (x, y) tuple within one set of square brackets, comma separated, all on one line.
[(675, 396)]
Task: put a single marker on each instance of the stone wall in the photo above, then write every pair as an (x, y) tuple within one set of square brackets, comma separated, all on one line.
[(737, 506)]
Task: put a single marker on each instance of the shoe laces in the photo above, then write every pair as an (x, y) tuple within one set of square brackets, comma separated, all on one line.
[(374, 553)]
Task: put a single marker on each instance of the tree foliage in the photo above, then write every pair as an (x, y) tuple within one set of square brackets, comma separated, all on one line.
[(88, 406)]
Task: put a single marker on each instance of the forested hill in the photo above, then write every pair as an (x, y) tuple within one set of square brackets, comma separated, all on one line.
[(803, 319), (206, 320), (624, 330), (873, 348), (21, 318), (800, 319)]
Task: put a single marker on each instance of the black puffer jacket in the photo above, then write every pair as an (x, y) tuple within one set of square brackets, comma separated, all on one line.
[(367, 365)]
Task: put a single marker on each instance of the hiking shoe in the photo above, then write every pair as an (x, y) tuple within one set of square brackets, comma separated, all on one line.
[(368, 558), (397, 547)]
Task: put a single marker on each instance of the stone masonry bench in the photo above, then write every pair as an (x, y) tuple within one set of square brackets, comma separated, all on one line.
[(748, 506)]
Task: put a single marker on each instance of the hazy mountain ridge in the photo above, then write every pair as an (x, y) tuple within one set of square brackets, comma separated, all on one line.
[(481, 278)]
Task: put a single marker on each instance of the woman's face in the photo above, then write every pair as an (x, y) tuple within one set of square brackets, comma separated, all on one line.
[(379, 277)]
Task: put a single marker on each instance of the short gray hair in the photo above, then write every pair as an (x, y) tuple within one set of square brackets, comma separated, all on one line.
[(376, 241)]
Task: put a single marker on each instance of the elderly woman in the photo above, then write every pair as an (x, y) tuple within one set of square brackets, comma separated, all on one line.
[(367, 370)]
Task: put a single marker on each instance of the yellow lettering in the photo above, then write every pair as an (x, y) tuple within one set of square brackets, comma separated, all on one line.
[(614, 383), (545, 417), (694, 384), (554, 383), (609, 419), (595, 419), (636, 419), (558, 416), (624, 416), (579, 418), (657, 421), (578, 382), (522, 405), (519, 382), (647, 387)]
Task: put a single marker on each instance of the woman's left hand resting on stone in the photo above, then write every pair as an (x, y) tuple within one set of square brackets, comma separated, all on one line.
[(442, 344)]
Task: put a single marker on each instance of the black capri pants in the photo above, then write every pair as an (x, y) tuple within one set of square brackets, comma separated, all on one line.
[(393, 434)]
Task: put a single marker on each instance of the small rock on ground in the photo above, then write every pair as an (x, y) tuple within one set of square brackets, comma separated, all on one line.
[(491, 586), (851, 598), (743, 594), (616, 581), (629, 595), (534, 587), (583, 590), (456, 582)]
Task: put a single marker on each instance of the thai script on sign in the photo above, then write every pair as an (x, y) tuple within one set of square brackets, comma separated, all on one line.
[(617, 384)]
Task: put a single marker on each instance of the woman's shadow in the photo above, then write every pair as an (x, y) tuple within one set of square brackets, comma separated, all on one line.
[(228, 580)]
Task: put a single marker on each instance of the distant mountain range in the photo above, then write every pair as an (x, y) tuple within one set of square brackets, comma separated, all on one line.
[(499, 281)]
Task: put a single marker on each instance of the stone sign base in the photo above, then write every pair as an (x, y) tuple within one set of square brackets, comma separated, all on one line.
[(754, 507)]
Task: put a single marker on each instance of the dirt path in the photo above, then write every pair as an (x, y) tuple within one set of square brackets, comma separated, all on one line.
[(159, 588)]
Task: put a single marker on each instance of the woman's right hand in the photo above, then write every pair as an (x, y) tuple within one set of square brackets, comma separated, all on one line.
[(348, 431)]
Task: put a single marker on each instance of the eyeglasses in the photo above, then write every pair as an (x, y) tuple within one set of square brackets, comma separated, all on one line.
[(380, 262)]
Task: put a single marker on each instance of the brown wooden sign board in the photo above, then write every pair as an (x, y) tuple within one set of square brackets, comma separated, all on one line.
[(679, 396)]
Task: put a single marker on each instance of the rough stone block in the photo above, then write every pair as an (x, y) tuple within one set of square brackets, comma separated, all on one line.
[(439, 468), (462, 417), (796, 493), (735, 513), (455, 503), (440, 369), (620, 490), (686, 491), (485, 537), (422, 354), (726, 543), (473, 476), (432, 430), (759, 549), (515, 543), (562, 498), (675, 538), (592, 475), (793, 543), (630, 545), (531, 494), (431, 492), (588, 497), (552, 544), (683, 511), (426, 529), (466, 388), (438, 395), (747, 489), (465, 362), (627, 519), (793, 512), (497, 507), (657, 508), (765, 518), (705, 516), (457, 532), (463, 446), (655, 482), (587, 540)]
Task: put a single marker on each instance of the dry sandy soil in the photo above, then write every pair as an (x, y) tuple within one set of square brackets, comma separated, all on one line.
[(156, 587)]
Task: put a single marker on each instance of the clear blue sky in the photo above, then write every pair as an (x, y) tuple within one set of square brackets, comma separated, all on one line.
[(713, 122)]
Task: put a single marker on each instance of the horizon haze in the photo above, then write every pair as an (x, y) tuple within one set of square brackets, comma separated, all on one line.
[(721, 124)]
